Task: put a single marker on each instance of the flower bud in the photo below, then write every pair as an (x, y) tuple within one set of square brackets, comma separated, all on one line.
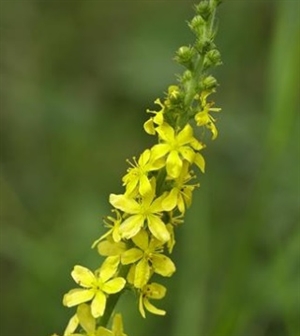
[(204, 10), (184, 56), (212, 58), (204, 45), (208, 83), (198, 25)]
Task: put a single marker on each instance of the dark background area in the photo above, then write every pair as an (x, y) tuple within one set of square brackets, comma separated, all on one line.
[(76, 79)]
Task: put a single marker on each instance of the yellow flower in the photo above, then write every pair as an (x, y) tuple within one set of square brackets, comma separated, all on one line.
[(149, 257), (151, 291), (96, 286), (158, 119), (203, 118), (113, 224), (176, 148), (85, 319), (148, 210), (137, 176), (181, 193)]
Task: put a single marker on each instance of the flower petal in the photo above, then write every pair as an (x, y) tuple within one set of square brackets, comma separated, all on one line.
[(77, 296), (117, 325), (160, 150), (200, 162), (83, 276), (131, 226), (109, 267), (124, 203), (142, 273), (114, 286), (158, 228), (152, 309), (109, 248), (166, 132), (72, 325), (173, 164), (149, 126), (185, 135), (170, 202), (141, 305), (187, 153), (131, 256), (141, 240), (101, 331), (145, 185), (163, 265), (85, 318), (144, 157), (98, 304)]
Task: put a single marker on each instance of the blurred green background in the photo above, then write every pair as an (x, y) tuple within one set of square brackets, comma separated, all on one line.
[(76, 79)]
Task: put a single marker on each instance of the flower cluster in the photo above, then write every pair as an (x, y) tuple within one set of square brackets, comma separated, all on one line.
[(158, 188)]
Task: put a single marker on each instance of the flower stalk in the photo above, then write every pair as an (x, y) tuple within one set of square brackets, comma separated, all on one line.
[(140, 234)]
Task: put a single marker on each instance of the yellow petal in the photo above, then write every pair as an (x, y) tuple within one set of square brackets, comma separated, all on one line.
[(72, 325), (98, 304), (170, 202), (124, 203), (117, 325), (141, 240), (181, 203), (131, 256), (166, 132), (201, 118), (145, 185), (109, 248), (173, 164), (141, 305), (163, 265), (160, 150), (144, 157), (158, 118), (158, 228), (142, 273), (213, 129), (200, 162), (172, 241), (130, 275), (114, 286), (109, 267), (185, 135), (85, 318), (101, 331), (187, 153), (149, 127), (153, 309), (83, 276), (77, 296), (131, 226)]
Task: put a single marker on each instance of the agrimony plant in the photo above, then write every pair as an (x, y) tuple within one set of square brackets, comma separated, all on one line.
[(158, 188)]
